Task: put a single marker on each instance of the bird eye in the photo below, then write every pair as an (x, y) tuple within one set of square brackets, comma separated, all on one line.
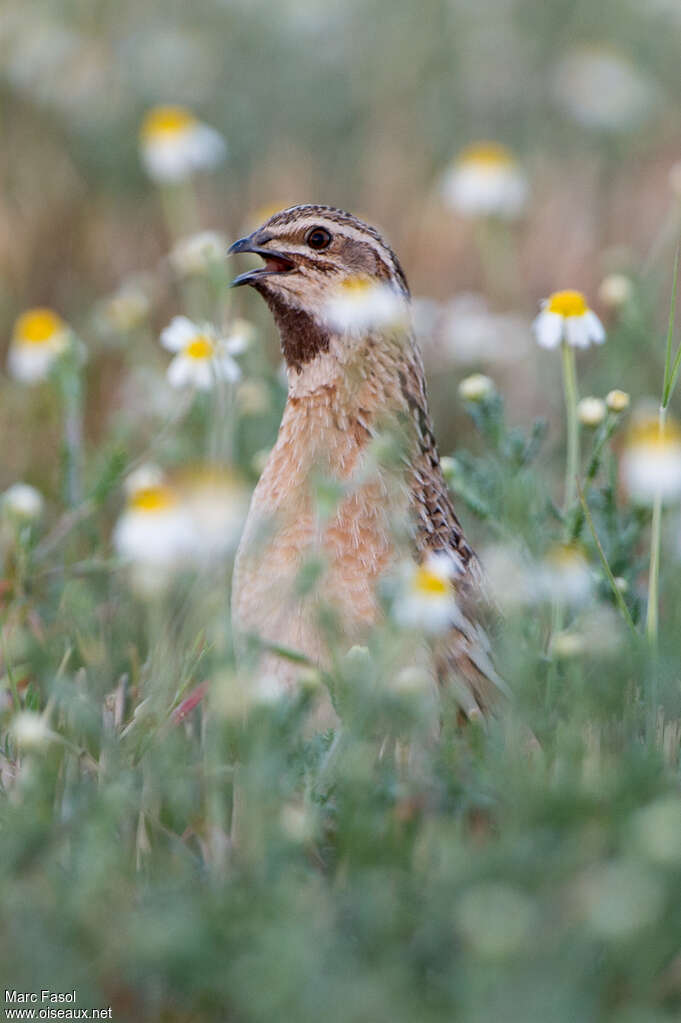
[(318, 238)]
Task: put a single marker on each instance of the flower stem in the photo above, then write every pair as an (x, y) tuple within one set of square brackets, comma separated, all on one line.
[(572, 461), (652, 616), (619, 599), (72, 402)]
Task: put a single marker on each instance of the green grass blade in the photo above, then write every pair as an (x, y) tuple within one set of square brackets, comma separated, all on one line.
[(671, 371)]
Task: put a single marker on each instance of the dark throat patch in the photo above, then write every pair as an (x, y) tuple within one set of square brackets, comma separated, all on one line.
[(302, 338)]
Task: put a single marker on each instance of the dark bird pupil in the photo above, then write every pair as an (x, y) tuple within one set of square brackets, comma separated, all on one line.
[(319, 238)]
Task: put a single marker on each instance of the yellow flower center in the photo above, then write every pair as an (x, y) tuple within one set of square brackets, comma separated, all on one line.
[(166, 122), (429, 584), (37, 327), (487, 154), (200, 348), (152, 499), (646, 433), (567, 303), (356, 287), (566, 556)]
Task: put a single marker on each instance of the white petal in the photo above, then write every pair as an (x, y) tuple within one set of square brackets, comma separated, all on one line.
[(179, 332), (486, 191), (648, 472), (548, 329), (207, 147), (30, 364), (236, 344), (577, 331), (595, 328), (161, 538), (227, 368), (203, 374), (180, 372), (167, 159)]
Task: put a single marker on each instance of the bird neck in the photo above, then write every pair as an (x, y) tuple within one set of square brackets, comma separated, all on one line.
[(303, 338)]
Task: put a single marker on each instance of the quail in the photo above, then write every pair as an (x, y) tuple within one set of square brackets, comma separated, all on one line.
[(346, 386)]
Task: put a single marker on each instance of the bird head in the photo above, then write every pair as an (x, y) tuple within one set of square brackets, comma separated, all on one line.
[(309, 253)]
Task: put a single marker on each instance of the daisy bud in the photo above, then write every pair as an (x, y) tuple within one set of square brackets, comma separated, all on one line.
[(199, 253), (127, 308), (23, 502), (451, 470), (30, 730), (566, 645), (476, 388), (617, 401), (591, 411), (615, 290), (297, 822)]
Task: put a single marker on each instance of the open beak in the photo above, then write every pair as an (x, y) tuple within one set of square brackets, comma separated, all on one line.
[(275, 262)]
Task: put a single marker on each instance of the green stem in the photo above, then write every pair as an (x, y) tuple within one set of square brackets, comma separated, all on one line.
[(593, 466), (572, 461), (619, 599), (180, 209), (72, 403), (652, 617)]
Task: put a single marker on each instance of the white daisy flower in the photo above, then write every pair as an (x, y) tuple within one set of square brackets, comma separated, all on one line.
[(199, 253), (601, 89), (426, 598), (174, 144), (38, 339), (360, 303), (486, 180), (591, 411), (465, 330), (512, 576), (217, 503), (154, 534), (651, 461), (202, 357), (564, 575), (23, 502), (565, 316)]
